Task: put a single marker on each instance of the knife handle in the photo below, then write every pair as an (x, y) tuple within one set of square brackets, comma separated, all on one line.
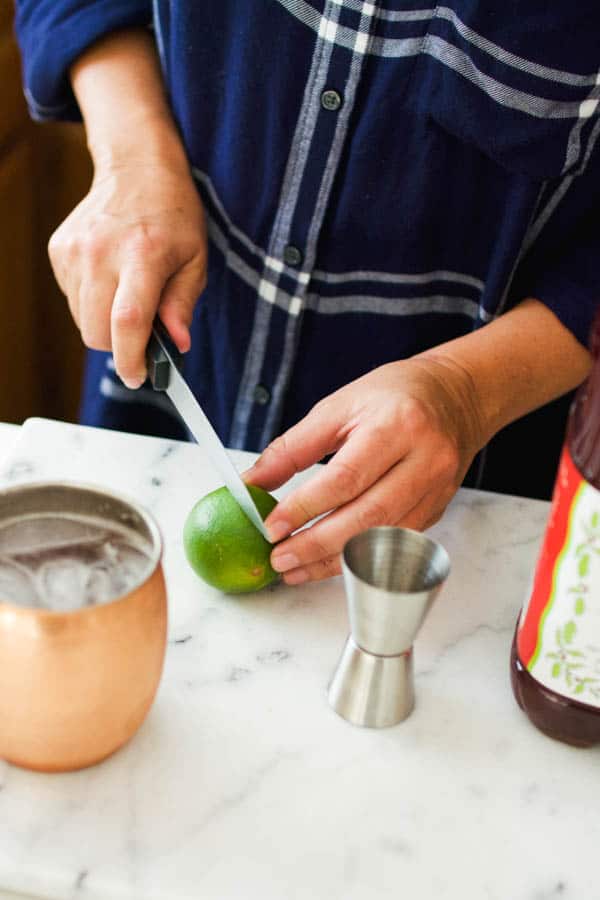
[(161, 353)]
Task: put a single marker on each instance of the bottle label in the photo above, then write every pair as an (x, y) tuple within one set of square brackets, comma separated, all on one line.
[(558, 638)]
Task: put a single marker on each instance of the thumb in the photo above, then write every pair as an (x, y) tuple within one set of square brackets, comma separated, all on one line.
[(316, 435), (179, 299)]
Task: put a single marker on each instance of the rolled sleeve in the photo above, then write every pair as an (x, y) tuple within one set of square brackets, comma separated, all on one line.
[(562, 269), (52, 34)]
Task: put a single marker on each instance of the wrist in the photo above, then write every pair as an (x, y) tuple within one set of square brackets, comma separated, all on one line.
[(147, 140), (517, 363), (466, 409), (119, 87)]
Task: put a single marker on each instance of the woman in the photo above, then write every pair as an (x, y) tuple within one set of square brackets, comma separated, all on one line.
[(402, 245)]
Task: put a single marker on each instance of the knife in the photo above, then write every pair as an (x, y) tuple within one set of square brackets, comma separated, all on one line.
[(164, 362)]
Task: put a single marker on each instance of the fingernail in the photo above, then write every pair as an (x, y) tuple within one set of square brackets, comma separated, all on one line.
[(133, 383), (278, 530), (185, 343), (299, 576), (284, 561)]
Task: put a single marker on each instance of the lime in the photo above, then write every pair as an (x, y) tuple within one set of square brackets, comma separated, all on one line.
[(223, 546)]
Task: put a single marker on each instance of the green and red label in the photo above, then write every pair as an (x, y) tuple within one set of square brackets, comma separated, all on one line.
[(558, 638)]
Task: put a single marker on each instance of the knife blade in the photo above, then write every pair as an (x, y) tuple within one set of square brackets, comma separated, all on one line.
[(164, 361)]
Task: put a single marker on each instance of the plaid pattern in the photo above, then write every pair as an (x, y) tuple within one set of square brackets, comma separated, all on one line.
[(457, 176)]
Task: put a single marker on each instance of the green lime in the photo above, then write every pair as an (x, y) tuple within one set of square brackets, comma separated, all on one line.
[(222, 545)]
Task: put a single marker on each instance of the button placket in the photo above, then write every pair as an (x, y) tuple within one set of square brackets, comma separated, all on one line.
[(292, 256), (331, 100), (262, 395)]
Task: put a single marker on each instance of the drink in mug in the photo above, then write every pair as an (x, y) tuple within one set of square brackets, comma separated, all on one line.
[(62, 562)]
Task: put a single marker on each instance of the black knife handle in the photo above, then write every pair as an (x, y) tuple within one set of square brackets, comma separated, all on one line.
[(157, 360)]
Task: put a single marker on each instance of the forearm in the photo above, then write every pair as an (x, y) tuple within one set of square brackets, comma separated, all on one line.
[(517, 363), (120, 91)]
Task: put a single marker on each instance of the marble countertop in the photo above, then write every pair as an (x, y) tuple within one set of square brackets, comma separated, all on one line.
[(8, 436), (242, 782)]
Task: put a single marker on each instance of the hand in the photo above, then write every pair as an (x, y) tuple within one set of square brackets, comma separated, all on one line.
[(135, 245), (403, 437)]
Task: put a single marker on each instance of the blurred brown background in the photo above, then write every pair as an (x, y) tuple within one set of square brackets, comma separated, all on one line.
[(44, 172)]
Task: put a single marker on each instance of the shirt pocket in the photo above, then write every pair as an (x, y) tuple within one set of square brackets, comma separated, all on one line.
[(505, 86)]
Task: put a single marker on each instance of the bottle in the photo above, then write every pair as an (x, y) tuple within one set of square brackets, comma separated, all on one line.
[(555, 656)]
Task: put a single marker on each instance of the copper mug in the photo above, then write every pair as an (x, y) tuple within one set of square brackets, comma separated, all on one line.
[(76, 685)]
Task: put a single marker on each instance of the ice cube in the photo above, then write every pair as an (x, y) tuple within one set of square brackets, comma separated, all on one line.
[(62, 582), (16, 584), (99, 587), (127, 564), (63, 563)]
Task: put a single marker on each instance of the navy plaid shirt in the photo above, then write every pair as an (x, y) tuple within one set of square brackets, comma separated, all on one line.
[(378, 178)]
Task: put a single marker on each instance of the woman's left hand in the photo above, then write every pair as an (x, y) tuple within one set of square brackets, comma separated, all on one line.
[(402, 436)]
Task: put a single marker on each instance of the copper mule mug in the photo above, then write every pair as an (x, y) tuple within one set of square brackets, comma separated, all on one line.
[(76, 684)]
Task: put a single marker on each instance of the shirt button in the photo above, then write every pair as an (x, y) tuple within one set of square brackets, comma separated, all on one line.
[(292, 256), (262, 395), (331, 100)]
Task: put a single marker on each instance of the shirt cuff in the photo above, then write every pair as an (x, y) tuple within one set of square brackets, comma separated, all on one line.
[(53, 33), (562, 268), (569, 285)]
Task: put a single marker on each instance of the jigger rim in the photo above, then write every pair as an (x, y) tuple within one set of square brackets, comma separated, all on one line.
[(416, 537)]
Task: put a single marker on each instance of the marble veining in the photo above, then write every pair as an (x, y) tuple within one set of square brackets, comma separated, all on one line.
[(242, 783)]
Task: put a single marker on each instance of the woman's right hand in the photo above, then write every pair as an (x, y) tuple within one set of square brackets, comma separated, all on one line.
[(134, 246)]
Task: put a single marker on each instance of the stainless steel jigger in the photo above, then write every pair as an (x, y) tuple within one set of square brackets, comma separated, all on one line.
[(391, 576)]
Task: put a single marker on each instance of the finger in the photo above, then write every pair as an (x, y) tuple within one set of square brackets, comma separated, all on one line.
[(67, 277), (58, 253), (179, 299), (395, 499), (428, 511), (134, 306), (368, 453), (96, 298), (325, 568), (319, 433), (72, 293)]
